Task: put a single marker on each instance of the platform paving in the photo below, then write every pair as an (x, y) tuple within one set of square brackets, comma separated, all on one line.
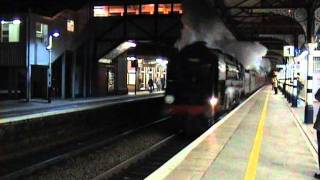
[(16, 108), (284, 152), (308, 129)]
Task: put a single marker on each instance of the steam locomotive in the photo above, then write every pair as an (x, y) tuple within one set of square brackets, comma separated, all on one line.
[(202, 83)]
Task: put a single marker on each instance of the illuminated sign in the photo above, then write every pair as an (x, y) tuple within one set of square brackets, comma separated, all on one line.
[(288, 51)]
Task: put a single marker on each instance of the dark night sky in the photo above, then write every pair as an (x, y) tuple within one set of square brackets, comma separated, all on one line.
[(45, 7)]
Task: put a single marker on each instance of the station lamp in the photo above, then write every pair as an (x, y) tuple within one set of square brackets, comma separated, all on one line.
[(130, 44), (159, 60), (162, 62), (16, 21), (131, 58), (55, 34)]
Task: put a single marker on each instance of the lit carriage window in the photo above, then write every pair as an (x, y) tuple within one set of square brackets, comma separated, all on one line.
[(177, 8), (116, 10), (147, 9), (133, 9), (164, 8)]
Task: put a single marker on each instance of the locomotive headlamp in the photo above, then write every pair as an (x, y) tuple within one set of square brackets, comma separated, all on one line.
[(169, 99), (213, 101)]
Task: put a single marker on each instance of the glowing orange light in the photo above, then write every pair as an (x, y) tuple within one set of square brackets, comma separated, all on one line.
[(116, 10), (133, 9), (164, 8), (177, 8), (147, 9)]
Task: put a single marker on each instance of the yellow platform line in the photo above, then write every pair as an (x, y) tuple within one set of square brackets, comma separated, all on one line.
[(254, 155)]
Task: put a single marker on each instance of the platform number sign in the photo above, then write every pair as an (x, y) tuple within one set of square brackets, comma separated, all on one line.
[(288, 51)]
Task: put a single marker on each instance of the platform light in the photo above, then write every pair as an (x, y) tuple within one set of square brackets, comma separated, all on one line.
[(159, 60), (130, 44), (169, 99), (16, 21), (131, 58), (162, 62), (3, 21), (49, 71), (56, 34), (105, 61), (213, 101)]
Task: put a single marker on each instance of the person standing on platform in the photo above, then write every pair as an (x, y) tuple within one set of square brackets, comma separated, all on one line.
[(317, 127), (151, 87), (300, 86), (275, 84), (163, 81), (158, 82)]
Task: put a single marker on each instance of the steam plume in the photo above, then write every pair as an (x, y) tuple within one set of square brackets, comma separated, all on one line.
[(201, 23)]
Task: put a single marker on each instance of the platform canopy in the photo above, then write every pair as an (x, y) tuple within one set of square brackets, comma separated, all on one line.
[(270, 22)]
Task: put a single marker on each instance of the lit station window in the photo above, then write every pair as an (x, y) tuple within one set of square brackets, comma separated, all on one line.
[(164, 8), (105, 11), (100, 11), (10, 31), (147, 9), (116, 10), (133, 9), (177, 8), (70, 25)]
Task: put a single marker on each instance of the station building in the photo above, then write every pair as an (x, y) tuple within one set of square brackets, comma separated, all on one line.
[(85, 60), (23, 55)]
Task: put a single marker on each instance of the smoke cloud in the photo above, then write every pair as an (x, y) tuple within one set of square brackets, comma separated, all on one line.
[(201, 23)]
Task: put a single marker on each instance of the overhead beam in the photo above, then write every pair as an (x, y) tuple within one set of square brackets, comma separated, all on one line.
[(266, 7), (240, 3), (226, 17)]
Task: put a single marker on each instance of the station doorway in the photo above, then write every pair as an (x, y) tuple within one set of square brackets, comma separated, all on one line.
[(148, 68)]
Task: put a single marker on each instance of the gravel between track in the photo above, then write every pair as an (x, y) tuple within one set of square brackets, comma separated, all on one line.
[(87, 166)]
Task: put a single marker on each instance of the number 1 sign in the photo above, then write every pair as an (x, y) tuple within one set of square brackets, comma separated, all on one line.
[(288, 51)]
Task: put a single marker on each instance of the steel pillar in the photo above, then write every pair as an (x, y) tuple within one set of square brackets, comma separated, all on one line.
[(308, 118)]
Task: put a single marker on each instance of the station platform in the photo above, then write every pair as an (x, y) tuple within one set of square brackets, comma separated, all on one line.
[(263, 138), (14, 110)]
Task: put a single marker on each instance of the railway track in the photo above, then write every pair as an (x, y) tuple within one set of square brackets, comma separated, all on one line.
[(53, 158), (135, 167), (144, 163)]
